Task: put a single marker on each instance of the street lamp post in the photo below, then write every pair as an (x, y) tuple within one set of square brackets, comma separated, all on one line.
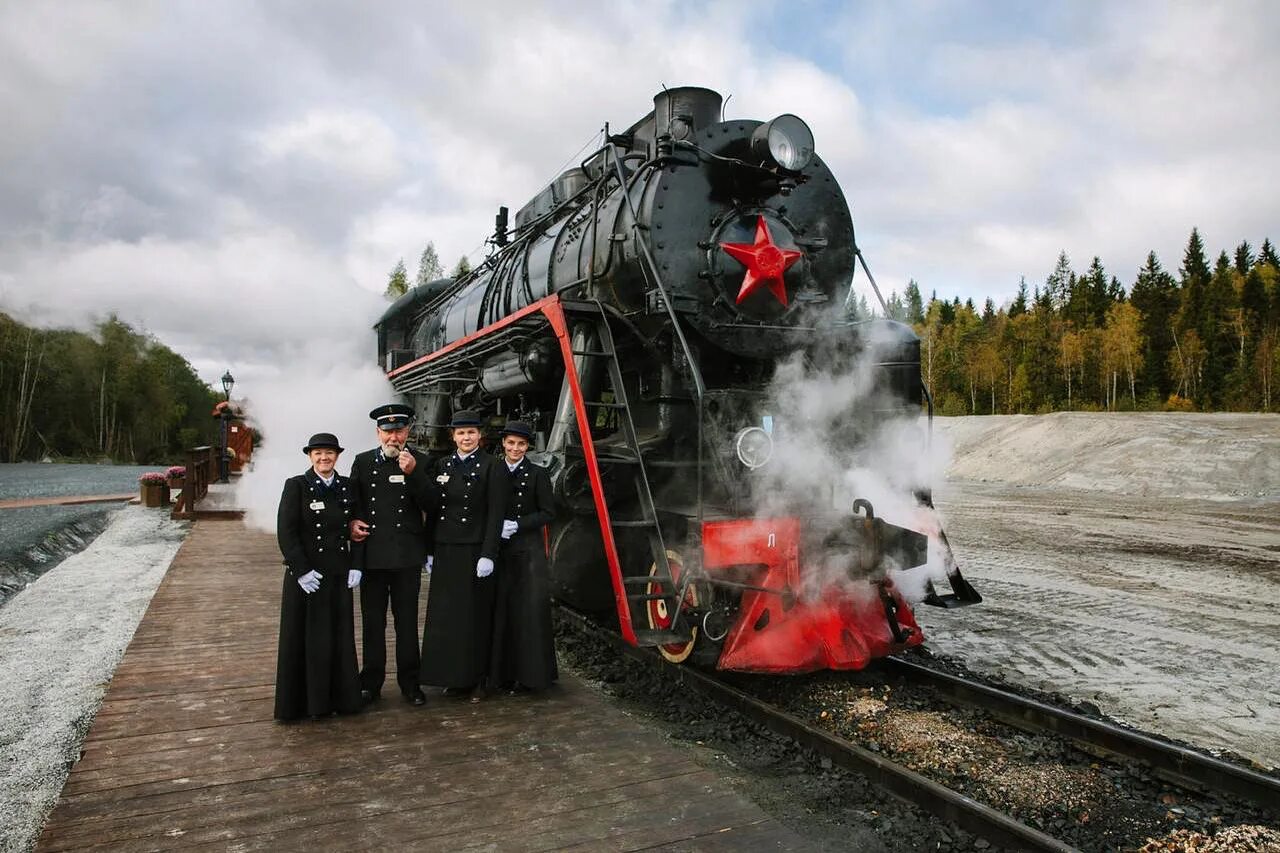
[(224, 467)]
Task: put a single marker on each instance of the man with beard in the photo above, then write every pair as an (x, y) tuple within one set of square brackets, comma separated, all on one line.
[(393, 491)]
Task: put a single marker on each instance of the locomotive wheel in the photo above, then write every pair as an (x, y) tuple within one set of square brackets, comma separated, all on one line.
[(660, 616)]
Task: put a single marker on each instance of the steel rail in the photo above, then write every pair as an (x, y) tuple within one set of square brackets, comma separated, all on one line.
[(1179, 765), (972, 816)]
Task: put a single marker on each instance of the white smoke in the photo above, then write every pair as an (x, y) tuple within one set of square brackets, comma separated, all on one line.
[(837, 438), (326, 385)]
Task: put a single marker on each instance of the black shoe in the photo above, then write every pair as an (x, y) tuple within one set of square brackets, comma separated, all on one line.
[(414, 696), (368, 696), (479, 694)]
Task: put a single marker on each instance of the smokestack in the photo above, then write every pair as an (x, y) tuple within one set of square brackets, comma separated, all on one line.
[(500, 227)]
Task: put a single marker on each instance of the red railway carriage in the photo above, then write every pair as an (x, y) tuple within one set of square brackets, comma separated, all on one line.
[(637, 313)]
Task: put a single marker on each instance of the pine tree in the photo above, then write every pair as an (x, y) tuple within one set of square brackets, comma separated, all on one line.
[(1099, 301), (461, 268), (398, 281), (1195, 282), (1253, 322), (1019, 305), (1244, 257), (1057, 286), (1268, 254), (1155, 295), (429, 268), (1216, 332), (894, 307), (915, 305), (1115, 292)]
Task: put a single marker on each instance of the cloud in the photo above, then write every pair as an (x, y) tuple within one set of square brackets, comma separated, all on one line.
[(240, 178)]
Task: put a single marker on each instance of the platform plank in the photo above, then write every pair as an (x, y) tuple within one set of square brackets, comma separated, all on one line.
[(183, 753)]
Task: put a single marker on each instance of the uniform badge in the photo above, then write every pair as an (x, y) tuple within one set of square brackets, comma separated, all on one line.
[(442, 479), (317, 505), (396, 478)]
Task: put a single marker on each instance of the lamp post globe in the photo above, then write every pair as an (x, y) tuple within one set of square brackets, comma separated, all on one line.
[(227, 382)]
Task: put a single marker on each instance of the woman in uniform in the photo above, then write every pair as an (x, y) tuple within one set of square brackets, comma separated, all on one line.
[(457, 639), (316, 672), (524, 654)]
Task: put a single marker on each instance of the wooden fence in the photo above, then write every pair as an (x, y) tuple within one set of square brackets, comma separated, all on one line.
[(202, 469)]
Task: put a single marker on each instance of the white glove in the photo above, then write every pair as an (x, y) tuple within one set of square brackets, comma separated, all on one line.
[(353, 578), (484, 567), (427, 568), (310, 582), (509, 528)]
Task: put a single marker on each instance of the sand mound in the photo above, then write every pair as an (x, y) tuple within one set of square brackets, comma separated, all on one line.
[(1212, 456)]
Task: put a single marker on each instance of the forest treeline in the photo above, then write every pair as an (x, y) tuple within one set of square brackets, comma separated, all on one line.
[(1205, 339), (114, 394)]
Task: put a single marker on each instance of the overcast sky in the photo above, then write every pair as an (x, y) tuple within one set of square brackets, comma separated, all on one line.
[(238, 178)]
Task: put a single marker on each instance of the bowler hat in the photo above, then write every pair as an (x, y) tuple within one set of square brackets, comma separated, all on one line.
[(465, 418), (519, 428), (392, 415), (323, 440)]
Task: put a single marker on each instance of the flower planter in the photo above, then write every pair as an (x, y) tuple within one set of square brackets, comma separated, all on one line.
[(155, 494), (177, 482)]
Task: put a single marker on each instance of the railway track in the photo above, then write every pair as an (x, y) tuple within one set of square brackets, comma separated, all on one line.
[(965, 812), (1171, 763), (1178, 765)]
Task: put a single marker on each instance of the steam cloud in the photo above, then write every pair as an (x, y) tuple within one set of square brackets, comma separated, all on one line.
[(836, 440), (327, 386)]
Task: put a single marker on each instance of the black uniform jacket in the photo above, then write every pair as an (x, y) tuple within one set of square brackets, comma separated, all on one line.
[(311, 524), (529, 503), (472, 497), (393, 504)]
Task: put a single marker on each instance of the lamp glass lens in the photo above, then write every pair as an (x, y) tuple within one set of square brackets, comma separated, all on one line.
[(790, 142)]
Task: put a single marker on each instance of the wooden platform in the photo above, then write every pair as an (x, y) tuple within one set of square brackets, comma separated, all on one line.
[(184, 753)]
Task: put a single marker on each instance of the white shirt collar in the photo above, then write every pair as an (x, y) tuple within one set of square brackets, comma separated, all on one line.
[(329, 481), (511, 467), (462, 458)]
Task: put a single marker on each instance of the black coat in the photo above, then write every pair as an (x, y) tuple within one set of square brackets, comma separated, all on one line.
[(393, 504), (316, 659), (457, 638), (472, 498), (529, 503), (311, 524), (523, 642)]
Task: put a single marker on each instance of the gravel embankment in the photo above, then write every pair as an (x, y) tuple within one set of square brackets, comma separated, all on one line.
[(62, 639)]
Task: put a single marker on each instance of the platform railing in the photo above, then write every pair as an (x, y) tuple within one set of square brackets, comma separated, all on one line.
[(202, 469)]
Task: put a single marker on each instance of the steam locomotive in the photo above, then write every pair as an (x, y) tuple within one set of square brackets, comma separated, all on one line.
[(637, 313)]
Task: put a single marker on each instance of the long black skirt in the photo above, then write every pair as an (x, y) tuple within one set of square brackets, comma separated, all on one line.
[(316, 671), (457, 638), (523, 644)]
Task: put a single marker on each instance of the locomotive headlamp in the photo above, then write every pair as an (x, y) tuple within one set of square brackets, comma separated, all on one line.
[(786, 141), (754, 446)]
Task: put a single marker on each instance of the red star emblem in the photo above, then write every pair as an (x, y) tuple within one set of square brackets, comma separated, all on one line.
[(764, 261)]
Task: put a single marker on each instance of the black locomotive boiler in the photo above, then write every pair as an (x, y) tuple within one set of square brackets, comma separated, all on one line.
[(635, 312)]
